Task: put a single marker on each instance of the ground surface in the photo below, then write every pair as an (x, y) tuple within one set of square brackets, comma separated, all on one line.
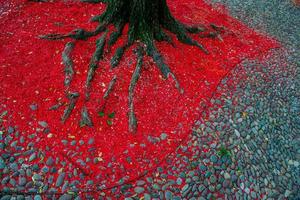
[(253, 114)]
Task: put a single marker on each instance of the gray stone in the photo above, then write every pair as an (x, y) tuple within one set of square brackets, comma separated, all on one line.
[(214, 158), (33, 107), (60, 179), (2, 163), (22, 181), (37, 177), (37, 197), (213, 179), (43, 124), (65, 197), (139, 190)]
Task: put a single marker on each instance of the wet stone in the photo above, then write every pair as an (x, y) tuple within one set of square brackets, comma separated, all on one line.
[(208, 174), (2, 163), (45, 169), (20, 197), (214, 158), (35, 167), (65, 186), (5, 197), (52, 190), (139, 190), (226, 175), (32, 190), (22, 181), (185, 190), (168, 195), (140, 183), (33, 107), (203, 168), (91, 141), (10, 130), (13, 166), (213, 179), (163, 136), (253, 195), (90, 182), (65, 197), (37, 197), (147, 196), (156, 186), (28, 172), (60, 179), (37, 177), (43, 124), (5, 180)]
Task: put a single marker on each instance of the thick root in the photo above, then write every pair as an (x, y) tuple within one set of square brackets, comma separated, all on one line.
[(94, 63), (132, 121)]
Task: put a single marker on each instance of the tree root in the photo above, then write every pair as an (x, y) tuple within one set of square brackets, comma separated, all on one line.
[(117, 56), (77, 34), (68, 63), (56, 106), (148, 22), (163, 67), (94, 63), (73, 97), (85, 118), (132, 122), (110, 87)]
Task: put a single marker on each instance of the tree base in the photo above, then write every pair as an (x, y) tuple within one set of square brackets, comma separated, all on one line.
[(148, 21)]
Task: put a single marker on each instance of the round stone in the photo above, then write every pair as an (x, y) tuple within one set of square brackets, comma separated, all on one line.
[(213, 179), (139, 190), (214, 158), (203, 168), (178, 181), (226, 175), (37, 197)]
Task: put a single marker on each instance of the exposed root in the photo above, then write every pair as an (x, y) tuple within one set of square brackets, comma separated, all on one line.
[(68, 63), (77, 34), (218, 30), (115, 35), (177, 85), (73, 97), (85, 118), (110, 87), (56, 106), (195, 29), (148, 21), (94, 63), (132, 122), (163, 67), (117, 56)]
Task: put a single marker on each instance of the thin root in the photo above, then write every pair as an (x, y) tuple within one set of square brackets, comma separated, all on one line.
[(85, 118), (73, 97), (110, 87), (68, 63)]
